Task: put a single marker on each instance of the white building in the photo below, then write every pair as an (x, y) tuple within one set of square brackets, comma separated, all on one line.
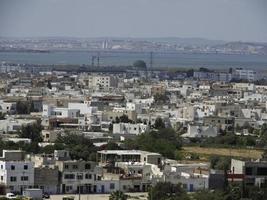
[(254, 97), (128, 128), (84, 108), (77, 174), (193, 177), (244, 86), (101, 82), (246, 74), (7, 107), (11, 124), (137, 107), (200, 131), (16, 174), (58, 112)]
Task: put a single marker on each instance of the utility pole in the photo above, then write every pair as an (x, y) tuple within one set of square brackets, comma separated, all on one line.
[(92, 61), (150, 65), (98, 59), (79, 175)]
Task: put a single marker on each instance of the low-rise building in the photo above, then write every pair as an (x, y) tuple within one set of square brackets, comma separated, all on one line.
[(130, 129), (107, 156), (15, 172)]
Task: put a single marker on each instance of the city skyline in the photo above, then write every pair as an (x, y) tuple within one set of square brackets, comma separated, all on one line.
[(239, 20)]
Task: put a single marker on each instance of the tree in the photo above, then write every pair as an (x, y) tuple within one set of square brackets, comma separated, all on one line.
[(79, 146), (125, 119), (159, 124), (208, 195), (111, 146), (164, 141), (32, 132), (161, 98), (167, 190), (190, 73), (263, 135), (203, 69), (118, 195), (220, 163), (2, 116), (25, 107), (110, 127), (49, 85), (21, 108)]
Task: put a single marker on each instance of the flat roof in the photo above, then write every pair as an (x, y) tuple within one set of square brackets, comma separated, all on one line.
[(127, 152)]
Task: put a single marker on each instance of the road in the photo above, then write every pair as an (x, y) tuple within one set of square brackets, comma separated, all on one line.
[(136, 196)]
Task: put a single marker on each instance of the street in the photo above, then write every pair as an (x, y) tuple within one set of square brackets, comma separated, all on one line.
[(140, 196)]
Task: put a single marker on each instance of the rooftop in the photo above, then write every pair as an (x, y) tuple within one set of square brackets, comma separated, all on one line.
[(127, 152)]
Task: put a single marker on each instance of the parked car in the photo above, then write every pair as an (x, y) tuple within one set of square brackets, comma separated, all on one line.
[(11, 195), (46, 196)]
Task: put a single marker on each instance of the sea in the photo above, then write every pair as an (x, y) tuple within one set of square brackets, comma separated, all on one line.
[(159, 59)]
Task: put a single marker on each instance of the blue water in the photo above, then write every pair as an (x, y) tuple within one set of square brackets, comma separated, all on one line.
[(121, 59)]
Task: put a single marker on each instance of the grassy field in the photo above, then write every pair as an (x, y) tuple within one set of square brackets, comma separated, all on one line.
[(243, 153)]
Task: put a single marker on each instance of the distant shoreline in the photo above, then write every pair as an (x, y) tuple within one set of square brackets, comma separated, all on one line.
[(125, 51), (174, 60)]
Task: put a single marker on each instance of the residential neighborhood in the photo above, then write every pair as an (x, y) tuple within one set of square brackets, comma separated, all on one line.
[(133, 100), (98, 133)]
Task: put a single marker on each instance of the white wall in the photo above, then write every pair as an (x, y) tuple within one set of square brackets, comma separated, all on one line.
[(6, 172)]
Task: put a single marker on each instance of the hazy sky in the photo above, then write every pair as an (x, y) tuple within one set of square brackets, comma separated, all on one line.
[(244, 20)]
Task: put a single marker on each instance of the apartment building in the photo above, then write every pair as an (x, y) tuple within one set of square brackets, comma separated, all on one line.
[(130, 129), (16, 173), (254, 173), (59, 112), (77, 176), (246, 74), (107, 156), (98, 82)]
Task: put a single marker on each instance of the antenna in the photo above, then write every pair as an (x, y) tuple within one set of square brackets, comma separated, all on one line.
[(151, 59), (93, 61), (98, 59)]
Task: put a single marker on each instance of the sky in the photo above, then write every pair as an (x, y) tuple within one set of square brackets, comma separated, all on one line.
[(230, 20)]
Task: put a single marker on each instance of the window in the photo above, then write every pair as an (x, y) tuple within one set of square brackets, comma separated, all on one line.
[(66, 166), (112, 186), (13, 179), (12, 167), (88, 176), (25, 167), (68, 188), (2, 178), (80, 176), (262, 171), (74, 166), (248, 171), (87, 166), (1, 166), (69, 176), (24, 178)]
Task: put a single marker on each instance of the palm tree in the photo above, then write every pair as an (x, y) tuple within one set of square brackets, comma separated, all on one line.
[(118, 195)]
